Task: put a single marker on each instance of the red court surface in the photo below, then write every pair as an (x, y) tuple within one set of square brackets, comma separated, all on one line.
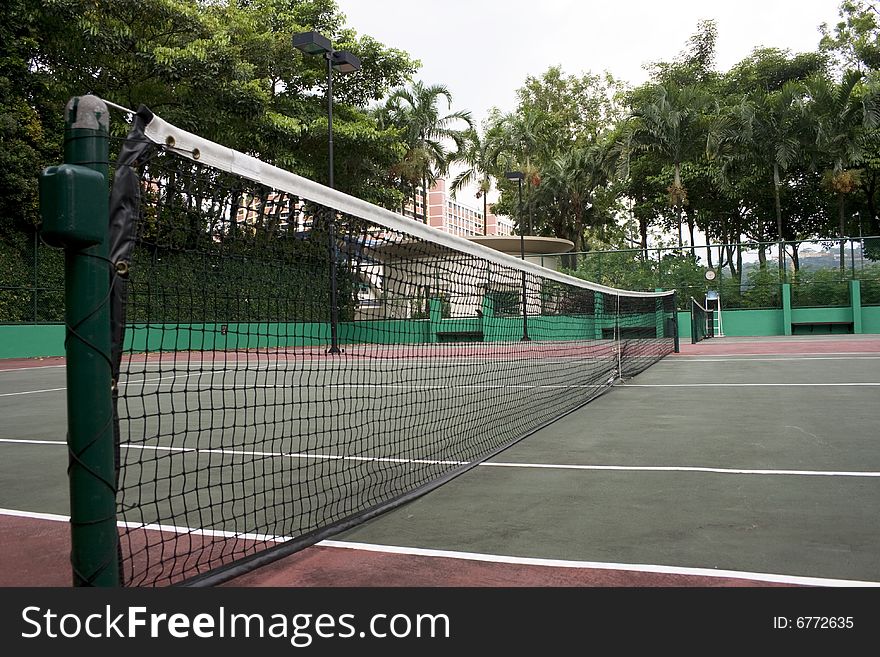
[(35, 550), (779, 346)]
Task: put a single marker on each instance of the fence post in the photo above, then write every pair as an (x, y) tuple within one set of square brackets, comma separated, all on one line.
[(855, 300), (786, 309), (74, 200), (599, 314)]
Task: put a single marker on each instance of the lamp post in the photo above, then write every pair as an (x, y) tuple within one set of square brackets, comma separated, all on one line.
[(518, 177), (313, 43)]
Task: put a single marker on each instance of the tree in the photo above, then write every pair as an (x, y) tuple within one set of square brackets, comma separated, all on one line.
[(426, 130), (670, 124), (855, 39), (522, 142), (224, 70), (841, 115), (476, 156), (767, 131), (556, 116), (569, 189)]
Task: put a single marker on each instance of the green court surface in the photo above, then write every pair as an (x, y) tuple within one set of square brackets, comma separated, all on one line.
[(725, 457)]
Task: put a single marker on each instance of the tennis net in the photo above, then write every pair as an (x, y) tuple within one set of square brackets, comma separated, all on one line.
[(702, 326), (291, 360)]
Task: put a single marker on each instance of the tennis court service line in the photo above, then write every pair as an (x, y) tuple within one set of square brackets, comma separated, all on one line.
[(786, 384), (31, 392), (131, 383), (30, 369), (731, 359), (598, 565), (479, 556), (486, 464)]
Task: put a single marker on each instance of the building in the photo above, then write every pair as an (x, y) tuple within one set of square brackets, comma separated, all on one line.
[(452, 216)]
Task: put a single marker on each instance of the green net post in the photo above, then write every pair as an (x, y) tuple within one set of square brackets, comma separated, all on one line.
[(673, 322), (74, 199)]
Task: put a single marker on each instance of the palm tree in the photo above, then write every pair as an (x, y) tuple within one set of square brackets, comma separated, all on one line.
[(475, 154), (570, 181), (842, 113), (669, 124), (766, 130), (519, 141), (416, 113)]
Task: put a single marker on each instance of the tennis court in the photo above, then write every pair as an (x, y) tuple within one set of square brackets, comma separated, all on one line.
[(262, 370), (739, 461)]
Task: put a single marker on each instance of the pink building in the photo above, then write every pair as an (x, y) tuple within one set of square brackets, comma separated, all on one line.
[(453, 216)]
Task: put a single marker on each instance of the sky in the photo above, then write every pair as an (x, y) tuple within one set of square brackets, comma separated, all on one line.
[(483, 50)]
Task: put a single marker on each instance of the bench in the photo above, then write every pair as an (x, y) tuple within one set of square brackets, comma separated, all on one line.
[(459, 336), (812, 326)]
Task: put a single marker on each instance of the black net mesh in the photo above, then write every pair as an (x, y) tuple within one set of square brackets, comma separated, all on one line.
[(239, 432), (701, 322)]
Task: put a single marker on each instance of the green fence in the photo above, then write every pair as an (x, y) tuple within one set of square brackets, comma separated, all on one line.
[(31, 280), (746, 275)]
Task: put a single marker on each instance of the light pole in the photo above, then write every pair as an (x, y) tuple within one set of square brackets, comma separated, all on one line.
[(313, 43), (518, 177)]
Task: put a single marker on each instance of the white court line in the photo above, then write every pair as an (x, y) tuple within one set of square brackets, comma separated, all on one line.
[(483, 557), (494, 464), (599, 565), (682, 468), (31, 392), (32, 441), (158, 381), (744, 385), (28, 369), (735, 356), (769, 359)]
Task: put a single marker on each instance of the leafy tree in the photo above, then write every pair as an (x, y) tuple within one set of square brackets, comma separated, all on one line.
[(671, 125), (855, 39), (556, 135), (768, 130), (570, 193), (475, 154), (841, 115), (426, 130), (225, 70)]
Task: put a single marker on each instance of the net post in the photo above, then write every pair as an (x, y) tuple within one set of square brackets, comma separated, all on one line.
[(334, 290), (675, 332), (617, 338), (74, 200), (525, 310)]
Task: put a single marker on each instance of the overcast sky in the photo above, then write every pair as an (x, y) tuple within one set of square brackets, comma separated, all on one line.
[(483, 50)]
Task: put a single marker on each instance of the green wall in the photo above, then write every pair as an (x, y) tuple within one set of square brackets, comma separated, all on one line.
[(43, 340), (31, 340), (752, 322), (871, 319)]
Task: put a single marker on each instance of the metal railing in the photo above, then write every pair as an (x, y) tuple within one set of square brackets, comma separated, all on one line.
[(746, 275)]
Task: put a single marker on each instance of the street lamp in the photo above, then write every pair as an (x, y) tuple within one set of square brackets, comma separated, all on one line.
[(518, 177), (313, 43)]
